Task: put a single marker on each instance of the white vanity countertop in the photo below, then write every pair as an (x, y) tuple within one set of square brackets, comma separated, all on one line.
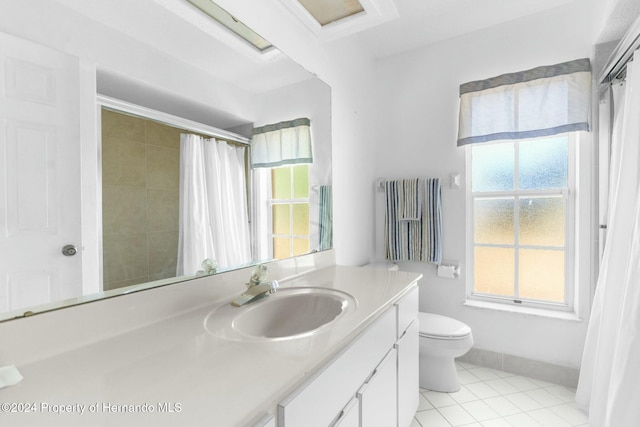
[(176, 365)]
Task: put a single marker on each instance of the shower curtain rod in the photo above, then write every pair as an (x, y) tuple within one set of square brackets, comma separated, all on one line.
[(171, 120), (622, 54)]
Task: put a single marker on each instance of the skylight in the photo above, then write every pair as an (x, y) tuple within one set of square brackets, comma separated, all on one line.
[(226, 19), (334, 19), (330, 11)]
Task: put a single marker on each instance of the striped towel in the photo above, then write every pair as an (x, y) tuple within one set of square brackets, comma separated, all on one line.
[(413, 220), (410, 200), (326, 218)]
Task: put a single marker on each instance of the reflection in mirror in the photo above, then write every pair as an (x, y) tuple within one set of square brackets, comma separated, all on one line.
[(117, 198), (148, 234)]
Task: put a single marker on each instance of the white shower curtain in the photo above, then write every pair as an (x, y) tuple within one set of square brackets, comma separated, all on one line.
[(213, 205), (609, 385)]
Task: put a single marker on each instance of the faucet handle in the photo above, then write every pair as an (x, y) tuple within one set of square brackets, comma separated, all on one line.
[(274, 287), (258, 274)]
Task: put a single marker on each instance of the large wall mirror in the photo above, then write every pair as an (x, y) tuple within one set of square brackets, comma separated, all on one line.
[(142, 145)]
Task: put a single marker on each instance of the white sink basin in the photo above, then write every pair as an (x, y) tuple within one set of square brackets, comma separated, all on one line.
[(289, 313)]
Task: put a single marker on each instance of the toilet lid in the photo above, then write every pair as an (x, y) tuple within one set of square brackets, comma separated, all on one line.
[(442, 327)]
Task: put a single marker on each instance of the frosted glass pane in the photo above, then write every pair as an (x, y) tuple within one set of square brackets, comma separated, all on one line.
[(492, 167), (281, 183), (542, 221), (301, 219), (542, 275), (281, 247), (543, 163), (494, 271), (493, 221), (281, 219), (301, 246), (301, 182)]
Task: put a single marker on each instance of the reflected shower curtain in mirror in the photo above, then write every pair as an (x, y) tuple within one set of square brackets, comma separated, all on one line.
[(213, 205), (608, 385)]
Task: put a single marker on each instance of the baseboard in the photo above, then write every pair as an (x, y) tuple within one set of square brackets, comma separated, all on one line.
[(542, 371)]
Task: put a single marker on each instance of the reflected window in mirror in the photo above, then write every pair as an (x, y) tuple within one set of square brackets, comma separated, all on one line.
[(290, 191)]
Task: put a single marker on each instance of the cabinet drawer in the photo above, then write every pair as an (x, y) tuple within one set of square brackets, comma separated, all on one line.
[(350, 416), (321, 399), (267, 421), (407, 309)]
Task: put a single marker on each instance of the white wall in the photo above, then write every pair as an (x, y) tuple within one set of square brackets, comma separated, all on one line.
[(416, 136), (611, 18)]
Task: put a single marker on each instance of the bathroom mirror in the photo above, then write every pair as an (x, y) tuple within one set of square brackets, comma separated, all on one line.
[(96, 97)]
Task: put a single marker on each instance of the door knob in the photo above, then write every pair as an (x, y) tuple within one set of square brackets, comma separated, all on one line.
[(69, 250)]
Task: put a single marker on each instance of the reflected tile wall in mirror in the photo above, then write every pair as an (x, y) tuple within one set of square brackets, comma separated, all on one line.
[(141, 165)]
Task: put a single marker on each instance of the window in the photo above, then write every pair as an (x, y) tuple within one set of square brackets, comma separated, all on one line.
[(521, 202), (290, 211)]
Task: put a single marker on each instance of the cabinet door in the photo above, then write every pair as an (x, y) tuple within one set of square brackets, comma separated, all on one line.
[(350, 416), (407, 310), (408, 373), (378, 397), (319, 401)]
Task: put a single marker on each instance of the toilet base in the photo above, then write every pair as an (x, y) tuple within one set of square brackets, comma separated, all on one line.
[(438, 374)]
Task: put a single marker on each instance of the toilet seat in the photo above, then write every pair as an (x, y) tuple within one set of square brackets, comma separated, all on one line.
[(439, 327)]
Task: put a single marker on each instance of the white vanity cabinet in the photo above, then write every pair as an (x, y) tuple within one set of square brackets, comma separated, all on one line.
[(378, 405), (408, 358), (350, 415), (266, 422), (363, 384)]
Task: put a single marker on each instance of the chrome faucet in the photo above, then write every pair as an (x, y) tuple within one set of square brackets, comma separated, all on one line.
[(256, 288)]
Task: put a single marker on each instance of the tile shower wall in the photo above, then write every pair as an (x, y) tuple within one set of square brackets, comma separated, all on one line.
[(140, 181)]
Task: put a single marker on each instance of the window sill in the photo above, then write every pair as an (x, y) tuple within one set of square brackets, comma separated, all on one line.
[(533, 311)]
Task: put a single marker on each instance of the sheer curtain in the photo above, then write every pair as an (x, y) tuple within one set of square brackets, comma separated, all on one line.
[(213, 205), (609, 385)]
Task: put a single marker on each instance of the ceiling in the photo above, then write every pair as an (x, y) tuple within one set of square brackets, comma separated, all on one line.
[(402, 25), (423, 22), (201, 43)]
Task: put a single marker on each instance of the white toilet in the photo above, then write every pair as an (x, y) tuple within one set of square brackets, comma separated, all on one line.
[(442, 339)]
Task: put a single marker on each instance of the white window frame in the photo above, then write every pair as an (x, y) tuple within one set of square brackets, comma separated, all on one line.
[(571, 265)]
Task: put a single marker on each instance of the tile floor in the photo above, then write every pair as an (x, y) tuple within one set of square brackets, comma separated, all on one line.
[(492, 398)]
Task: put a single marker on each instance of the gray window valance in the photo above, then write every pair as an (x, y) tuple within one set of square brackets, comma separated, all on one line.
[(282, 143), (539, 102)]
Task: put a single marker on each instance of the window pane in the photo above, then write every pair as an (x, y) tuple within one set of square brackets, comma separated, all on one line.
[(542, 275), (281, 183), (281, 247), (494, 271), (493, 221), (281, 219), (301, 219), (301, 246), (543, 163), (492, 167), (542, 221), (301, 181)]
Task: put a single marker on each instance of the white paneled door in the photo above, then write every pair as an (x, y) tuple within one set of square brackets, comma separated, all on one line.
[(40, 175)]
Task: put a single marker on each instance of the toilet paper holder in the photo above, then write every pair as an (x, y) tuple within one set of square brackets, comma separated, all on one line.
[(449, 271)]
